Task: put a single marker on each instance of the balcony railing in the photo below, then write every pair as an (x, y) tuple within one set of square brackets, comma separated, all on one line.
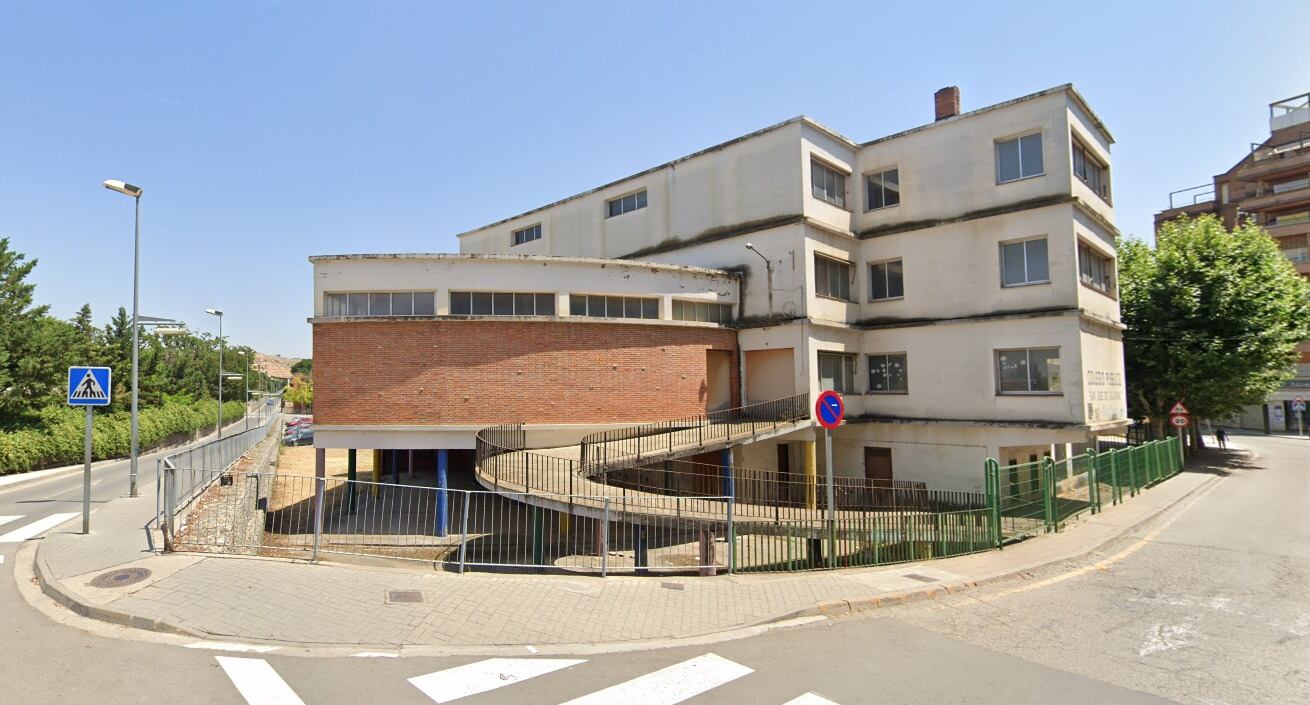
[(1195, 195)]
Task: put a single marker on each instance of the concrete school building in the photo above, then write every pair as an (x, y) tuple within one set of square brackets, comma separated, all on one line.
[(955, 282)]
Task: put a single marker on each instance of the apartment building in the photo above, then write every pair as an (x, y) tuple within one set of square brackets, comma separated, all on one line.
[(1269, 186), (955, 282)]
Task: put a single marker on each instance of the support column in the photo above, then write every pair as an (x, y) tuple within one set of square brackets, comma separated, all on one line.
[(443, 510), (810, 467), (377, 470), (351, 475), (729, 482), (640, 558), (410, 470), (320, 479)]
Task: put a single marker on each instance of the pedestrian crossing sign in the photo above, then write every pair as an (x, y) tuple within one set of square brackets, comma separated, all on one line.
[(88, 386)]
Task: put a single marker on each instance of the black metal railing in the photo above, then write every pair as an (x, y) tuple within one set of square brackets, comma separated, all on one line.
[(663, 438)]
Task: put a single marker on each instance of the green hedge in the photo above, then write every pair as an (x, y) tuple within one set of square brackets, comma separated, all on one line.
[(58, 440)]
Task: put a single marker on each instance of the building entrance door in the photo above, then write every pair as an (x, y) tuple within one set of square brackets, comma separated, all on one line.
[(878, 475)]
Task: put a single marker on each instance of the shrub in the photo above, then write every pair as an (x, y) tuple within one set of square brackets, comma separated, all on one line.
[(58, 439)]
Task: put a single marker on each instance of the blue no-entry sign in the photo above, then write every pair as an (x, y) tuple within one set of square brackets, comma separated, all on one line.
[(830, 409), (88, 386)]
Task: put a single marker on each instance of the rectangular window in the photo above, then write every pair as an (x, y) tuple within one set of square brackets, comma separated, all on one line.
[(886, 280), (613, 306), (882, 189), (425, 303), (827, 183), (837, 372), (889, 374), (625, 204), (832, 278), (379, 304), (1024, 262), (703, 311), (481, 303), (334, 305), (1019, 158), (358, 304), (528, 234), (402, 303), (1028, 371), (1095, 269), (1091, 171)]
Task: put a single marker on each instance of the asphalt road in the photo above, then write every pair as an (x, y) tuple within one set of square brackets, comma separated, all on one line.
[(1208, 605)]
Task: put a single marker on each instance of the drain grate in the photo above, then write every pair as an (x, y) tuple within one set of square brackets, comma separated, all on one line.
[(410, 596), (120, 577), (920, 578), (673, 586)]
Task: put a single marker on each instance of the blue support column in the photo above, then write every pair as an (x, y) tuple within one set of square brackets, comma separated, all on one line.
[(443, 510), (729, 484)]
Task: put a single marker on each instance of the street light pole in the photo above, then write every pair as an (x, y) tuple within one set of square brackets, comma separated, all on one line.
[(216, 312), (135, 192)]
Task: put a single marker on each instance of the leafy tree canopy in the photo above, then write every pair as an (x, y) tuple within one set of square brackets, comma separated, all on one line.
[(1213, 318)]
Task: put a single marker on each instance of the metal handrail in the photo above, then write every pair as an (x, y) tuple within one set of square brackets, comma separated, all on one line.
[(664, 437)]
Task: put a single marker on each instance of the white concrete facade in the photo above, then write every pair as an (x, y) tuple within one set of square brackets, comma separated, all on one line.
[(948, 230)]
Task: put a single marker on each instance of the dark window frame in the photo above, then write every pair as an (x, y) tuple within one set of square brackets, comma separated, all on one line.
[(1055, 382), (887, 279), (882, 190), (1019, 145), (523, 236), (826, 282), (886, 361), (831, 188)]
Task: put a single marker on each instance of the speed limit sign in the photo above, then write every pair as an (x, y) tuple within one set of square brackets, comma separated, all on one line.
[(1178, 420)]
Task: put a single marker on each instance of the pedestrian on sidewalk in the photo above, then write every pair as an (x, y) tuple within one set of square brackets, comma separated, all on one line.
[(1221, 437)]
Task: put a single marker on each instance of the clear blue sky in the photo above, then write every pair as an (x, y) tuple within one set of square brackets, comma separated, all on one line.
[(264, 132)]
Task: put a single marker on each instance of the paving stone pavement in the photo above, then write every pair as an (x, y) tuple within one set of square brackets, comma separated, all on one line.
[(271, 599)]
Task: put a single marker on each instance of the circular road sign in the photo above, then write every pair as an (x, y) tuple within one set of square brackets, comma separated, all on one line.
[(830, 409), (1178, 420)]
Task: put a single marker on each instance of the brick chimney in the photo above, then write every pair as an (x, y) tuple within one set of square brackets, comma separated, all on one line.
[(946, 102)]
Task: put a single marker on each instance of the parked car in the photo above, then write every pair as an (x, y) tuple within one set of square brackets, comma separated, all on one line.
[(300, 421), (300, 436)]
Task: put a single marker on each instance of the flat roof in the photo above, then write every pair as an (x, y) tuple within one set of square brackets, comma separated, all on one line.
[(529, 259), (1067, 87)]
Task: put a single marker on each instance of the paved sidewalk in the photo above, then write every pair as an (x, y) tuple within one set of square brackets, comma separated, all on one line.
[(285, 601)]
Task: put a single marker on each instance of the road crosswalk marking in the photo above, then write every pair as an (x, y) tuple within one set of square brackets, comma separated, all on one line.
[(471, 679), (257, 682), (6, 520), (670, 685), (36, 528), (810, 699)]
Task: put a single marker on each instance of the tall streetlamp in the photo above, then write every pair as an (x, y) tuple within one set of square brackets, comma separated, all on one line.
[(216, 312), (135, 192)]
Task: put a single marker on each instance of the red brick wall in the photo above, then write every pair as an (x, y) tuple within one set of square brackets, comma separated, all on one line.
[(488, 372)]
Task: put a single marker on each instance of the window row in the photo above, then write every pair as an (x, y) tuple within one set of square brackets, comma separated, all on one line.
[(380, 303), (1018, 371), (703, 311), (485, 303), (596, 306), (1091, 171), (625, 204)]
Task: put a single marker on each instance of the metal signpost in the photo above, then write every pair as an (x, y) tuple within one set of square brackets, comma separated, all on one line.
[(1180, 417), (829, 410), (1298, 408), (89, 387)]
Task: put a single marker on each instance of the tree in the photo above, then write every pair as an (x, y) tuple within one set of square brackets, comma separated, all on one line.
[(300, 392), (303, 367), (1213, 318), (21, 387)]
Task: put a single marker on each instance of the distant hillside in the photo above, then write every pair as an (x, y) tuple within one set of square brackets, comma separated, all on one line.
[(275, 365)]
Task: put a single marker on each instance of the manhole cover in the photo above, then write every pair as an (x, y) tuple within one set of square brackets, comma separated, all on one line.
[(920, 578), (120, 577), (404, 596)]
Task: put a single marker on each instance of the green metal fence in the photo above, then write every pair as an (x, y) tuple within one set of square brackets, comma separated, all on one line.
[(859, 539), (1040, 497)]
